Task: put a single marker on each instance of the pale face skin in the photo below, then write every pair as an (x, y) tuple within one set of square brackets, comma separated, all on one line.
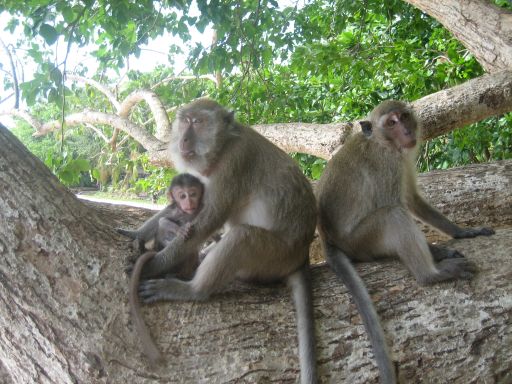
[(188, 198)]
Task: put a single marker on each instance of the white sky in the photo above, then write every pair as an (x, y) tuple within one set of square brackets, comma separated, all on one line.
[(153, 54)]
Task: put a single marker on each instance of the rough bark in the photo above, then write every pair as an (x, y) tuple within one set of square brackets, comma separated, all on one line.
[(482, 27), (64, 315)]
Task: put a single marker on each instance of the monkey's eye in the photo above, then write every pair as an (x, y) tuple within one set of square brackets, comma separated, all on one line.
[(197, 120), (392, 122)]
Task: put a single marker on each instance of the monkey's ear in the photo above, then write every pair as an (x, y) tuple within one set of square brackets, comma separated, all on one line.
[(366, 127), (229, 117)]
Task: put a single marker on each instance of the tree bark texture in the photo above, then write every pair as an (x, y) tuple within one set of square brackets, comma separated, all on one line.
[(482, 27), (64, 315)]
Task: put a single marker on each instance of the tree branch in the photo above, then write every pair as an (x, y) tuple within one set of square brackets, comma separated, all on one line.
[(100, 87), (163, 125), (440, 112), (13, 74), (482, 27), (141, 135)]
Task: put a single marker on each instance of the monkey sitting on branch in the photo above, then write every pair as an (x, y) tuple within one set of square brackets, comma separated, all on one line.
[(185, 200), (366, 196), (369, 190), (267, 205)]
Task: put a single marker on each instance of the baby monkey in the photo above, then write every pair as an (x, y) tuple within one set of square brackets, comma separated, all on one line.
[(185, 201)]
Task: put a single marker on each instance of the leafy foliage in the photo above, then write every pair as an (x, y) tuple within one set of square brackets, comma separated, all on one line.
[(322, 61)]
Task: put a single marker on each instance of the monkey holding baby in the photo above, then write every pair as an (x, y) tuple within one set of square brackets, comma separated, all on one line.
[(260, 195), (367, 197), (184, 195)]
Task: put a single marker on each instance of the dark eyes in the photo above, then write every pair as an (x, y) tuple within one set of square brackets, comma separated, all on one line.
[(391, 122), (193, 120)]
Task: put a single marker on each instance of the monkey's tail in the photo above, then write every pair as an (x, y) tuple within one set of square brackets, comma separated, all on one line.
[(148, 344), (300, 284), (344, 269), (127, 233)]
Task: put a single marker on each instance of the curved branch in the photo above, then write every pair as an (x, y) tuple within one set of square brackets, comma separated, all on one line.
[(185, 77), (100, 87), (320, 140), (34, 123), (163, 125), (98, 132), (470, 102), (13, 74), (141, 135), (483, 28)]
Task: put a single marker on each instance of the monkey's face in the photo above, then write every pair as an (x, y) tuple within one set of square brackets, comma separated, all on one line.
[(195, 132), (399, 127), (187, 198)]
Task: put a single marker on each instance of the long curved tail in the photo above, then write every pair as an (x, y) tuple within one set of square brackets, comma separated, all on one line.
[(300, 284), (344, 269), (148, 344)]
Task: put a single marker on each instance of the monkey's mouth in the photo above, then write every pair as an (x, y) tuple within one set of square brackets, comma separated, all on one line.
[(410, 144), (188, 154)]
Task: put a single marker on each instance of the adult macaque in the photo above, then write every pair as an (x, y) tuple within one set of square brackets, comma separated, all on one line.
[(366, 196), (185, 200), (267, 205)]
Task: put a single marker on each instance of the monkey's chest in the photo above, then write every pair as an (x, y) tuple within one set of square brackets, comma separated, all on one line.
[(253, 211)]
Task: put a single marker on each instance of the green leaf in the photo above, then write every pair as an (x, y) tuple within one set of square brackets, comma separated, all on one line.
[(49, 34)]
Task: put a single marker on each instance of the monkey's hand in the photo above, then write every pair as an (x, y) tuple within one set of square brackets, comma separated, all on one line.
[(466, 233), (185, 231)]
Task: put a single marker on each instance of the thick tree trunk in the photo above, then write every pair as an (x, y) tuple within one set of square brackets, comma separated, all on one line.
[(482, 27), (64, 315)]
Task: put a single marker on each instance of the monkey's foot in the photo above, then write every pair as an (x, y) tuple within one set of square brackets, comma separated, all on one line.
[(457, 268), (440, 252), (466, 233), (154, 290)]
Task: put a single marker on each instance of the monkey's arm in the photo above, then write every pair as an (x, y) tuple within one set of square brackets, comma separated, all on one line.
[(424, 211), (149, 228)]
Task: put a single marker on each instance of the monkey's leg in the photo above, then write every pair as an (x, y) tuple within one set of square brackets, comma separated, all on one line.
[(391, 231), (245, 251), (421, 208), (440, 252), (253, 253)]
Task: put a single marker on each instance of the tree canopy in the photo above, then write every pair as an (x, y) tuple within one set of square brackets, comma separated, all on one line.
[(318, 61)]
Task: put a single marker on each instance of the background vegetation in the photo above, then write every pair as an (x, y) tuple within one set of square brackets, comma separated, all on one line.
[(317, 61)]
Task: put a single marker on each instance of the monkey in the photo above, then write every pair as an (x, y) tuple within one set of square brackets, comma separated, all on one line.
[(185, 199), (184, 195), (367, 196), (261, 197)]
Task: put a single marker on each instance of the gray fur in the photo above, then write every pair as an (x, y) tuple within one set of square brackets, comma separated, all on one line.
[(262, 197)]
